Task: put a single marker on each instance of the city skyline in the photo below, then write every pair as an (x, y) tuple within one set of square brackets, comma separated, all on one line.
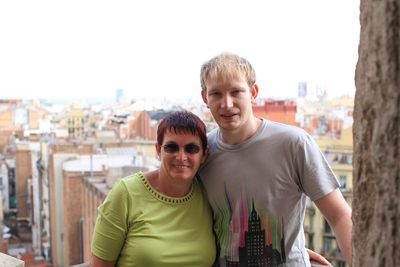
[(154, 49)]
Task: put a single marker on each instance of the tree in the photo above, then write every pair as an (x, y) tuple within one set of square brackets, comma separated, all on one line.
[(376, 206)]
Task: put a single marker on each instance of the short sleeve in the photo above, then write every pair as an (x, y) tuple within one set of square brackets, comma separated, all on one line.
[(316, 176), (111, 225)]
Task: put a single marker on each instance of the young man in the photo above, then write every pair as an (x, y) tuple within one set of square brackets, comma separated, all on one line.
[(259, 173)]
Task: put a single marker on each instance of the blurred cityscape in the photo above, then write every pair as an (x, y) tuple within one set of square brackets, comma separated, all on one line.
[(59, 160)]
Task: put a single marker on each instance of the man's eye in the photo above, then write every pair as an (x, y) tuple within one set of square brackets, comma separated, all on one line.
[(214, 94), (236, 92)]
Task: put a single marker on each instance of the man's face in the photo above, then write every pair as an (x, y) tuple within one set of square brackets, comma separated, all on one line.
[(230, 102)]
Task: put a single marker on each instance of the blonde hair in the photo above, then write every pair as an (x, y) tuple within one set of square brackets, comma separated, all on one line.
[(227, 66)]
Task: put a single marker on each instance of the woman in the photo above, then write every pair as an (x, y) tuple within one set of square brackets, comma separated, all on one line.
[(160, 218)]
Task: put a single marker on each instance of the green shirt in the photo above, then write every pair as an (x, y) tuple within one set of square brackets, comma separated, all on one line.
[(138, 226)]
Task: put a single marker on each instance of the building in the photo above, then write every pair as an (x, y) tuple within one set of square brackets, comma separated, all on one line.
[(57, 154), (5, 185), (23, 176), (302, 89), (119, 95), (68, 171), (6, 117), (77, 192), (283, 111), (76, 124), (319, 236)]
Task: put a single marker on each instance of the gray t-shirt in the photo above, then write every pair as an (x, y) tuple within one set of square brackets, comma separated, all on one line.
[(258, 190)]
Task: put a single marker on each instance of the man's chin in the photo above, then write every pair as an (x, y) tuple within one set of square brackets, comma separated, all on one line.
[(228, 126)]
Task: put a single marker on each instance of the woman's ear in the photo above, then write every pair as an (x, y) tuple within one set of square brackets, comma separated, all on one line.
[(158, 149), (205, 155)]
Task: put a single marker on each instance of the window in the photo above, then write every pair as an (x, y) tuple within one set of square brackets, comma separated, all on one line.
[(327, 245), (327, 227), (311, 241), (342, 181)]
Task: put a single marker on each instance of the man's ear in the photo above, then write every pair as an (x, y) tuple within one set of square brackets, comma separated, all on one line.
[(254, 92), (204, 96)]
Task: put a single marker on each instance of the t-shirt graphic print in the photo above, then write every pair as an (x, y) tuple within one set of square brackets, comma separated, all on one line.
[(252, 239)]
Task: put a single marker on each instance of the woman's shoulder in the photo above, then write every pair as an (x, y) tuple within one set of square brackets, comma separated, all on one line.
[(128, 183), (136, 180)]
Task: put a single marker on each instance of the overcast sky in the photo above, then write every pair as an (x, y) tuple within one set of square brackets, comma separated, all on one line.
[(154, 48)]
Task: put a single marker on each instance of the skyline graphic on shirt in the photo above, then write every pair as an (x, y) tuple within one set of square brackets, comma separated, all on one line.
[(248, 237)]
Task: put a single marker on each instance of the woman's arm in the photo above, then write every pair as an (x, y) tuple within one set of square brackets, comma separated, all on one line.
[(111, 227), (97, 262)]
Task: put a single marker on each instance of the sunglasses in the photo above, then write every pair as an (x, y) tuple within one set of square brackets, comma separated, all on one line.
[(188, 148)]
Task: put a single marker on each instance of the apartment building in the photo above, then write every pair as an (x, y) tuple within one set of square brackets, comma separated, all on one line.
[(319, 235), (283, 111)]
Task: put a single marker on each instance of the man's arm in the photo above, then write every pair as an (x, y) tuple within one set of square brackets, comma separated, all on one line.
[(338, 214)]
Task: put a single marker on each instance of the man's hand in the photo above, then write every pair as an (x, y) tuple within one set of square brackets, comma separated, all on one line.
[(317, 258)]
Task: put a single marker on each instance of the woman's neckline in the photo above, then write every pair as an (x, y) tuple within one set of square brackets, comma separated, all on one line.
[(162, 197)]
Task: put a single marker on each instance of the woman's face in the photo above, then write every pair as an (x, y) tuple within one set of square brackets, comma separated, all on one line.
[(180, 155)]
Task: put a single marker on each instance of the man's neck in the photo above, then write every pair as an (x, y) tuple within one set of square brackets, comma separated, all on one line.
[(238, 136)]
